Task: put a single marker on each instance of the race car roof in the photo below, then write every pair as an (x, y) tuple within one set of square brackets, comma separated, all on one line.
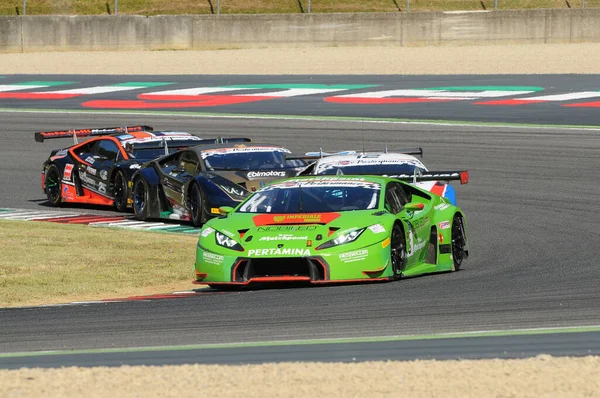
[(158, 136), (334, 179), (368, 158), (205, 150)]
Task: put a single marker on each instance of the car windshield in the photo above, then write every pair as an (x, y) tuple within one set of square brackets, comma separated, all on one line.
[(249, 158), (373, 169), (313, 196)]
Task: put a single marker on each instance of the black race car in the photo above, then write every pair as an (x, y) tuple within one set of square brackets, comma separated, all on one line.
[(192, 184), (99, 170)]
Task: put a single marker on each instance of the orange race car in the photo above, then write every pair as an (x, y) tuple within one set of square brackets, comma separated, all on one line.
[(98, 171)]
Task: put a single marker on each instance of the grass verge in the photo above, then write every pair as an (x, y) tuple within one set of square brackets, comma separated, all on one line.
[(45, 263), (160, 7)]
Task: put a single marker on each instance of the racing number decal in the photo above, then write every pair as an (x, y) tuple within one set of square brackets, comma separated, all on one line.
[(411, 242)]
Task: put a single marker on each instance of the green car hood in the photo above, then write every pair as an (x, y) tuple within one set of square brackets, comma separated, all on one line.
[(298, 231)]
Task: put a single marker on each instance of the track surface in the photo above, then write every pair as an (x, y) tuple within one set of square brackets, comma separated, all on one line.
[(517, 346), (531, 215), (562, 99)]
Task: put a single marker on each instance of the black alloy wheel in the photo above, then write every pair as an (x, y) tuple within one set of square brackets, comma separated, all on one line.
[(196, 205), (398, 250), (140, 198), (52, 185), (120, 191), (458, 242)]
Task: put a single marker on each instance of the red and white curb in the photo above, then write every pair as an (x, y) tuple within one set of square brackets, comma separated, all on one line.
[(94, 220)]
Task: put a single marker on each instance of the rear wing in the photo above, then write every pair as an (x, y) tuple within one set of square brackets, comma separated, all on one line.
[(223, 140), (462, 176), (79, 133), (166, 142), (321, 154)]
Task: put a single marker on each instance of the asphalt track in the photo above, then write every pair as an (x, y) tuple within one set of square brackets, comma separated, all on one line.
[(531, 207)]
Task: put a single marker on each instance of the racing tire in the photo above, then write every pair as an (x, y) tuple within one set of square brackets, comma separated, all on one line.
[(458, 242), (196, 205), (53, 185), (120, 191), (397, 250), (141, 197)]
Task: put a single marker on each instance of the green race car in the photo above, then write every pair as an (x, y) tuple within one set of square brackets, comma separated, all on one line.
[(331, 229)]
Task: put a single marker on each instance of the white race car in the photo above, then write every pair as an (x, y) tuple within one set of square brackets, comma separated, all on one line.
[(401, 165)]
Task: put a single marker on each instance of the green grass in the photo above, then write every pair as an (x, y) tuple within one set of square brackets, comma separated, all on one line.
[(44, 263), (158, 7)]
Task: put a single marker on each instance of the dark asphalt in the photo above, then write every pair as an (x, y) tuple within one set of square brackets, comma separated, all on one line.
[(531, 208), (503, 347)]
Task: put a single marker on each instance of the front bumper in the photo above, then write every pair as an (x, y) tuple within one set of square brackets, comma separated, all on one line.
[(366, 264)]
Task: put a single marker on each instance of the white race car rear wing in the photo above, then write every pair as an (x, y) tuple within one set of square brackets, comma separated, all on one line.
[(45, 135), (462, 176), (322, 154)]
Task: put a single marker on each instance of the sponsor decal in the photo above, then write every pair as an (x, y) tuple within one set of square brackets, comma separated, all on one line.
[(444, 225), (90, 170), (68, 193), (135, 166), (68, 171), (90, 160), (422, 222), (87, 179), (441, 206), (283, 237), (214, 210), (212, 258), (265, 174), (347, 182), (353, 256), (103, 174), (367, 161), (279, 252), (241, 149), (207, 231), (377, 228), (412, 249), (287, 228), (295, 218), (102, 187)]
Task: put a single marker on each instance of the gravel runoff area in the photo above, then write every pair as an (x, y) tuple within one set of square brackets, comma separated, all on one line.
[(538, 377), (542, 376), (496, 59)]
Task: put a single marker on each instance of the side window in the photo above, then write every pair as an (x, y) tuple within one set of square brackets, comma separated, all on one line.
[(189, 162), (108, 149), (395, 198), (84, 150), (401, 194), (391, 200)]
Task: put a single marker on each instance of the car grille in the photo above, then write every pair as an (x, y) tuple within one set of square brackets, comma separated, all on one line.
[(246, 269)]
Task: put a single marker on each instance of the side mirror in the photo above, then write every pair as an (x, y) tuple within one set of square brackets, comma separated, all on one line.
[(414, 206), (224, 210)]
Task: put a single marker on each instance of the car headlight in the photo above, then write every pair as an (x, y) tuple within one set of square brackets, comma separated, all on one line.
[(236, 193), (342, 239), (227, 242)]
